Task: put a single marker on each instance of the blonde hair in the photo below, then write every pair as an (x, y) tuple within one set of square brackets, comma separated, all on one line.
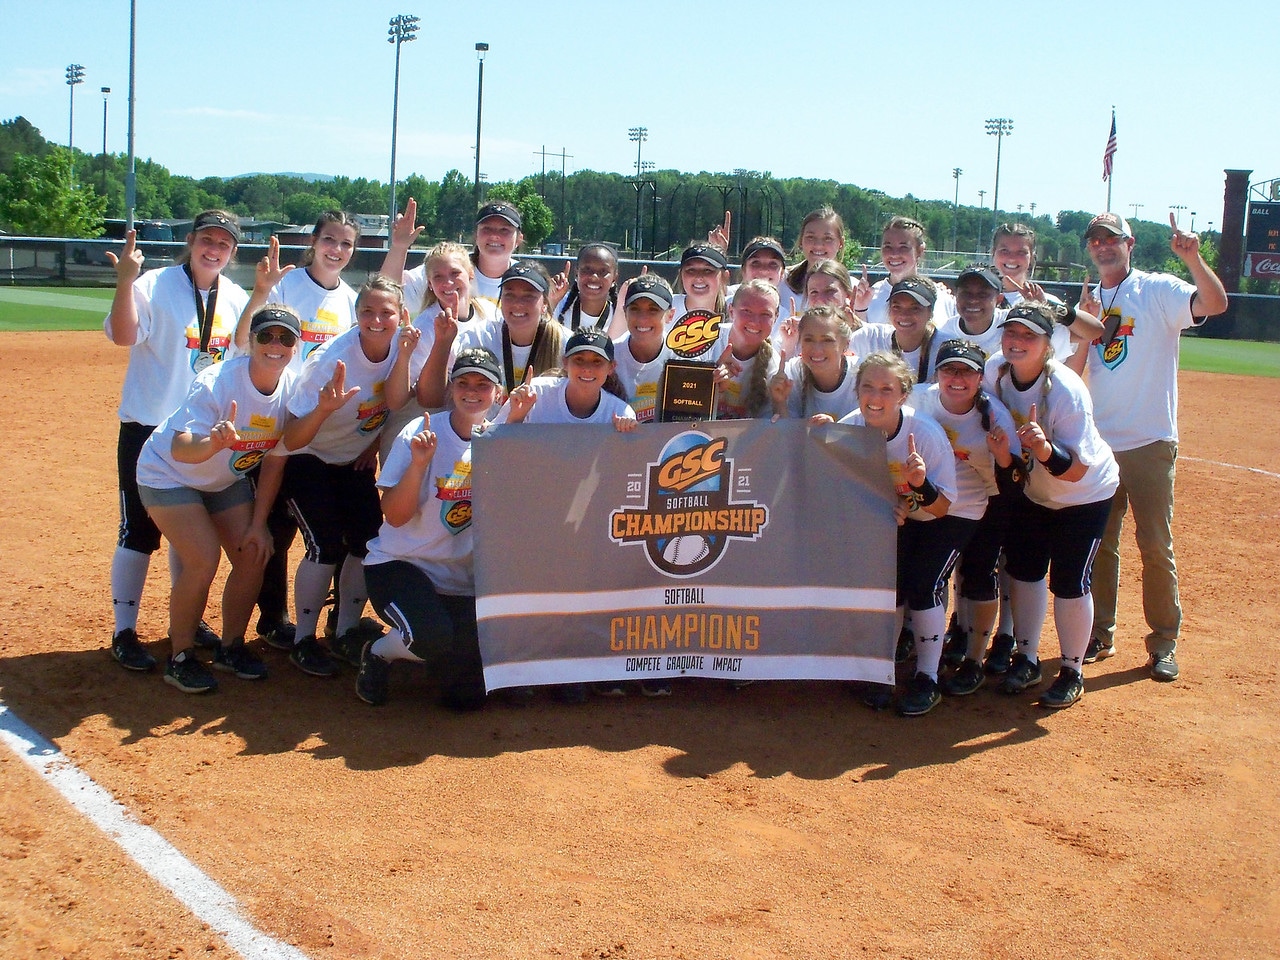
[(380, 283), (908, 225), (834, 317), (838, 272), (894, 364), (446, 250)]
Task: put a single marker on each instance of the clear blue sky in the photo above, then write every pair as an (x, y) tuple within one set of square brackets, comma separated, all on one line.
[(890, 97)]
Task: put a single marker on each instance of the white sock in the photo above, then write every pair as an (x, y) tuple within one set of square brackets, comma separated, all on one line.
[(929, 627), (1074, 620), (1030, 605), (352, 594), (390, 646), (982, 615), (310, 588), (1006, 605), (128, 578)]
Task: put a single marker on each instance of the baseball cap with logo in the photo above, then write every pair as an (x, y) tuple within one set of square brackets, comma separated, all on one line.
[(766, 244), (499, 208), (985, 272), (706, 252), (276, 315), (649, 286), (917, 288), (589, 340), (477, 360), (1110, 223), (961, 351), (526, 272), (218, 219), (1030, 316)]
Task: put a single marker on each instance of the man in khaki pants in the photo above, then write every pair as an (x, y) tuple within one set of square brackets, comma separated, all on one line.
[(1133, 378)]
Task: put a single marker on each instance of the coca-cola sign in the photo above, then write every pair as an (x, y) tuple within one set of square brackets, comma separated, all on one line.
[(1262, 265)]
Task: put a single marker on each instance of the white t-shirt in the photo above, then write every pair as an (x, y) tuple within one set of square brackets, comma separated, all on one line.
[(347, 432), (550, 405), (836, 404), (324, 313), (878, 337), (975, 465), (1134, 380), (259, 424), (162, 360), (1061, 340), (1065, 414), (565, 316), (438, 539), (730, 404), (878, 309), (931, 444), (640, 380), (482, 311), (488, 334)]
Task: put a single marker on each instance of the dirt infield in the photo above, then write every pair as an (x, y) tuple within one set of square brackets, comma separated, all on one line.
[(781, 820)]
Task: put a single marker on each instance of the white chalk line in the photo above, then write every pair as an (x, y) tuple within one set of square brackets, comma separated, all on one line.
[(1232, 466), (153, 853)]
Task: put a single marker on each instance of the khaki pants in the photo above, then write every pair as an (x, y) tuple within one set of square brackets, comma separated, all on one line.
[(1146, 485)]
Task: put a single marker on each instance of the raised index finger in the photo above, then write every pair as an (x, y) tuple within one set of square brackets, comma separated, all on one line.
[(1033, 418), (728, 219), (339, 376), (1173, 221), (911, 443), (232, 415)]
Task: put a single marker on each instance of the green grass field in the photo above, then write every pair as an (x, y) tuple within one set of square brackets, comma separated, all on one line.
[(82, 308)]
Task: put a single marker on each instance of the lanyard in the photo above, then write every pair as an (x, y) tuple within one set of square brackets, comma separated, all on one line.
[(508, 365), (1112, 324), (204, 312)]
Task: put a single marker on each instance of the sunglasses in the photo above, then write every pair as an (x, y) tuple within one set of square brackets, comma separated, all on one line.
[(285, 338)]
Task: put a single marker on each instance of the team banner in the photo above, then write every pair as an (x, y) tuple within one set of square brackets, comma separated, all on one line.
[(738, 549)]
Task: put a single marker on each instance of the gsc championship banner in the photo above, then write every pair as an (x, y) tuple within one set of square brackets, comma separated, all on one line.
[(739, 549)]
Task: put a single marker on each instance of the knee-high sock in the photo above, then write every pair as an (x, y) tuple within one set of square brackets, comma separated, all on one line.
[(128, 578), (929, 626), (1006, 606), (310, 588), (1074, 620), (391, 646), (352, 593), (1030, 605)]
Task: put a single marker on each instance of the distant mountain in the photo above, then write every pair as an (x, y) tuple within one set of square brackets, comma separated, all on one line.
[(308, 177)]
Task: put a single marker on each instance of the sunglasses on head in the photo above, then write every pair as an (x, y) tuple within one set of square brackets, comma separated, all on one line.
[(286, 338)]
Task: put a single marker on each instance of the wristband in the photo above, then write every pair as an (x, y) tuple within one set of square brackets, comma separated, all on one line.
[(926, 493), (1064, 314), (1010, 479), (1059, 461)]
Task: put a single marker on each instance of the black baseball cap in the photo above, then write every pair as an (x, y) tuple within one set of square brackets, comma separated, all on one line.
[(526, 272), (477, 360), (704, 251), (920, 290), (276, 315), (589, 340), (961, 351), (649, 286), (499, 208), (767, 244), (216, 218), (984, 272), (1031, 317)]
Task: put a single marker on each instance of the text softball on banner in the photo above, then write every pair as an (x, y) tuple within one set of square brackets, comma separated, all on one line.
[(737, 549)]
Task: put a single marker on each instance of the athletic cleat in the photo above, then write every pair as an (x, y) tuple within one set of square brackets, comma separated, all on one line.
[(349, 647), (371, 681), (188, 674), (206, 637), (279, 634), (1096, 651), (1064, 691), (967, 679), (1000, 656), (129, 652), (1164, 667), (240, 660), (310, 656), (920, 697), (1024, 673)]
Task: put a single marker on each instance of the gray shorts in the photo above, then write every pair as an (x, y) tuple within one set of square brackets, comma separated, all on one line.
[(239, 492)]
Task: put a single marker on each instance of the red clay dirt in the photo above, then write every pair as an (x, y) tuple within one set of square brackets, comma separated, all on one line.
[(781, 820)]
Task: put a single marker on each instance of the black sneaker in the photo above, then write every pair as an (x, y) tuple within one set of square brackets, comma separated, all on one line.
[(1023, 674), (1164, 667), (349, 647), (955, 645), (206, 637), (240, 660), (371, 681), (967, 678), (1000, 656), (920, 697), (312, 658), (1064, 691), (130, 653), (906, 646), (279, 634), (188, 674), (1096, 651)]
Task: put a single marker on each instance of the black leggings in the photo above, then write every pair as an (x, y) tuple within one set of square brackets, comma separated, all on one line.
[(1062, 543), (927, 552)]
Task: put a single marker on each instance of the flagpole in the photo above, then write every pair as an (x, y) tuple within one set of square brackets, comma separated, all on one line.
[(1110, 151)]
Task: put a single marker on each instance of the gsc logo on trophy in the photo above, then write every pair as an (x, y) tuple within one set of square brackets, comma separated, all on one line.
[(688, 517)]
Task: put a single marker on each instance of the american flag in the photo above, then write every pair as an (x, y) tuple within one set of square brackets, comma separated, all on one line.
[(1110, 152)]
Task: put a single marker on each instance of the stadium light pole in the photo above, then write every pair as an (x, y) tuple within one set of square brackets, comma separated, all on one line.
[(982, 205), (955, 210), (402, 28), (637, 135), (1176, 209), (481, 50), (1193, 221), (131, 177), (1136, 208), (106, 91), (75, 75), (999, 127)]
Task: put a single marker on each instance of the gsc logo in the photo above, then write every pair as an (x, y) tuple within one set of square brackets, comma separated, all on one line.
[(688, 518), (694, 334)]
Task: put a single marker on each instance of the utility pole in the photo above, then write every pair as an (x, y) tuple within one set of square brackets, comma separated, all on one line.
[(955, 209)]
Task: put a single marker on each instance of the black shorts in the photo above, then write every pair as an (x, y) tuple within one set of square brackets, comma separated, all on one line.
[(1061, 543), (336, 507), (927, 552), (137, 531), (979, 565)]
